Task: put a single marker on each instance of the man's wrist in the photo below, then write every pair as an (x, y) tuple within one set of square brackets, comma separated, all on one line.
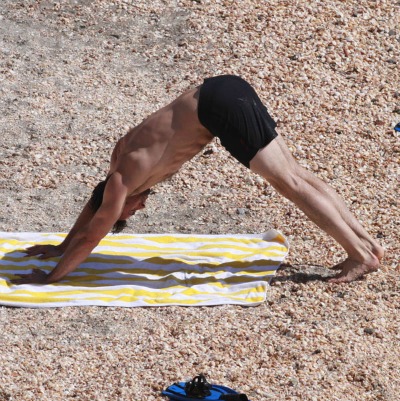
[(62, 247)]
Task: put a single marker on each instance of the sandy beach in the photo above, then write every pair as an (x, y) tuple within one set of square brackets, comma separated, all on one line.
[(76, 75)]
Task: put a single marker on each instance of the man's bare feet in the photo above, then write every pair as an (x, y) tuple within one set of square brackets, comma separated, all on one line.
[(353, 270)]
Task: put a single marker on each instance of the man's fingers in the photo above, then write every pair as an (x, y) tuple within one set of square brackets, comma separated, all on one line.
[(44, 253), (33, 247), (27, 275), (26, 278), (22, 280), (33, 250), (44, 256)]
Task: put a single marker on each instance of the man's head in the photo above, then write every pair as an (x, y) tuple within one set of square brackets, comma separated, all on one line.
[(132, 204)]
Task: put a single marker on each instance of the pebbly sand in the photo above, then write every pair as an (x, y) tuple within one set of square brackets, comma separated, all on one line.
[(75, 75)]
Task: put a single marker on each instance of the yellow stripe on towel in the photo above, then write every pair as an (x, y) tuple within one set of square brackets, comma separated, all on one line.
[(148, 270)]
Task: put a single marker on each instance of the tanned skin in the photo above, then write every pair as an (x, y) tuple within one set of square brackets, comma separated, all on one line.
[(157, 148)]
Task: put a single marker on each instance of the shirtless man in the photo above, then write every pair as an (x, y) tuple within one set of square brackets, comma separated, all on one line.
[(226, 107)]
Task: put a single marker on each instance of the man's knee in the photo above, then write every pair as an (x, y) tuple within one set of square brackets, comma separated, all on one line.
[(287, 184)]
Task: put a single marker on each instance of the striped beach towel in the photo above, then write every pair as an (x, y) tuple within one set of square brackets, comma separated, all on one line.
[(131, 270)]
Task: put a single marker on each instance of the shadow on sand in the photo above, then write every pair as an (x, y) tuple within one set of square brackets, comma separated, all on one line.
[(301, 273)]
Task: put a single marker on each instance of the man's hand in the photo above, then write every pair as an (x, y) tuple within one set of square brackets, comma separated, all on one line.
[(86, 234), (36, 277), (45, 251)]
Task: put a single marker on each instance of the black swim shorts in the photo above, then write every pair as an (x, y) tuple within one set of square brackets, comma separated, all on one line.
[(232, 111)]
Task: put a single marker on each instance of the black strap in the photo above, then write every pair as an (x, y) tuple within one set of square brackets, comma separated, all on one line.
[(198, 387), (234, 397)]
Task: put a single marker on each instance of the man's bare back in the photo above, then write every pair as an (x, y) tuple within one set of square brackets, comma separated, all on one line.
[(161, 144)]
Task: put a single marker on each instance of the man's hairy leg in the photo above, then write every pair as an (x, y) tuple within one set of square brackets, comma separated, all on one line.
[(322, 205), (350, 269), (337, 201)]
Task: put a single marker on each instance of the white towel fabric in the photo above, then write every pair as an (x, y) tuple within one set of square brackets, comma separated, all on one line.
[(147, 270)]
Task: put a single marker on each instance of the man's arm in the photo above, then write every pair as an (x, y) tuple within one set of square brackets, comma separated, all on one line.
[(85, 238), (49, 251)]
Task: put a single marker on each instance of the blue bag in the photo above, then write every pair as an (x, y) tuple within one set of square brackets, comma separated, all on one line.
[(199, 389)]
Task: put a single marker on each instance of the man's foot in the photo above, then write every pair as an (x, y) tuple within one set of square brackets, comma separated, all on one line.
[(353, 270)]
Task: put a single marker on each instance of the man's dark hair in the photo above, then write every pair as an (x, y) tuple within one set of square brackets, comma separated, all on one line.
[(96, 200)]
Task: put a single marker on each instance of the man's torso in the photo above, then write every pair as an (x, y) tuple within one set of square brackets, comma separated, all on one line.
[(158, 147)]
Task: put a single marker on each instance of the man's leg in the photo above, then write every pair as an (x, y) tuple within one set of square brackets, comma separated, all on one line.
[(322, 205)]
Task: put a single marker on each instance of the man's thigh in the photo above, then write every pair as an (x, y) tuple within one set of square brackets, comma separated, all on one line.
[(274, 161)]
